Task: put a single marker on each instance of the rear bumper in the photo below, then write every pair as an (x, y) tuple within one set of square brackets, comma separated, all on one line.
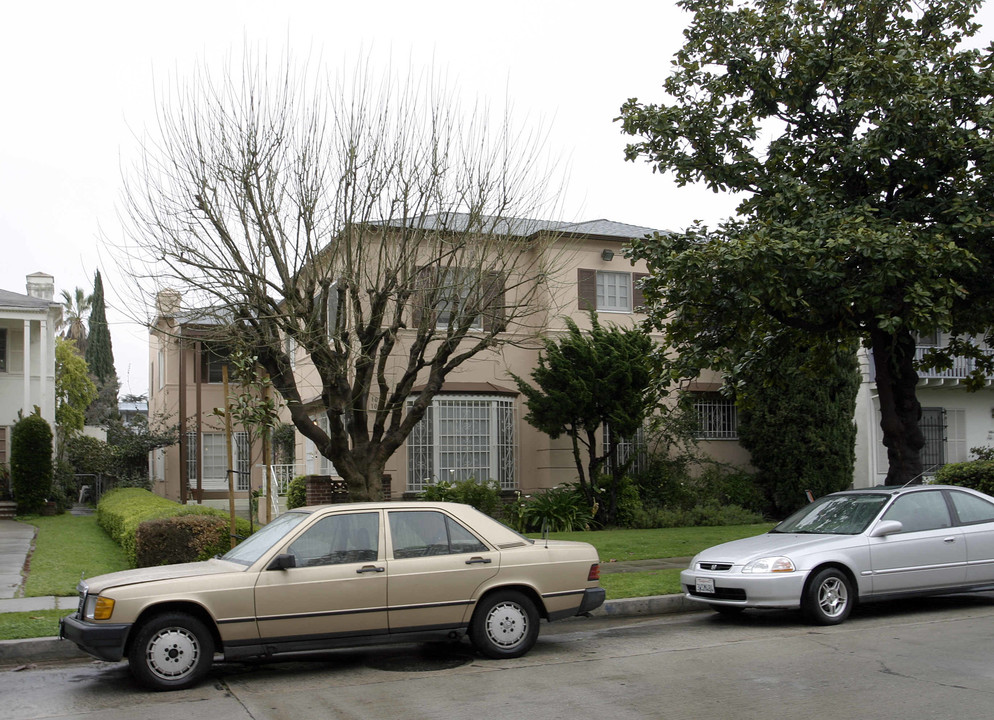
[(593, 598), (104, 642)]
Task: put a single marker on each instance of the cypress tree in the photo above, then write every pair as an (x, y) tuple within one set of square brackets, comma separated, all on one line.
[(99, 352)]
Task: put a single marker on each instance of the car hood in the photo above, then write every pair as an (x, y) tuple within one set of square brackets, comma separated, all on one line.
[(215, 566), (793, 545)]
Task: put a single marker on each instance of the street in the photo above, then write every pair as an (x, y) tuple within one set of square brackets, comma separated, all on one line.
[(917, 659)]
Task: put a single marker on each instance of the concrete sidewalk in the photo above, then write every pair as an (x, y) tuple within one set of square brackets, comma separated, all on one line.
[(16, 539)]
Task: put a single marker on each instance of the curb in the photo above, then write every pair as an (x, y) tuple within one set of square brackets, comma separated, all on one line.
[(23, 652)]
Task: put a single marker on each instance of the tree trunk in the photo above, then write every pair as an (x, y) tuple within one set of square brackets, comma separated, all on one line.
[(900, 411)]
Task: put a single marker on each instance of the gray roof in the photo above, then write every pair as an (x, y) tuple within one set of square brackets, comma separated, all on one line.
[(17, 301), (524, 227)]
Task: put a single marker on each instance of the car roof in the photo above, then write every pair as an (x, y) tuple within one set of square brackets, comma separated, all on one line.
[(898, 489)]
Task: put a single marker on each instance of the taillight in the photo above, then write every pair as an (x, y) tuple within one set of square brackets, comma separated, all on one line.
[(595, 572)]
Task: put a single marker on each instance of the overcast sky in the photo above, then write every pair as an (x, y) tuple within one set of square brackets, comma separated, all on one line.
[(78, 85)]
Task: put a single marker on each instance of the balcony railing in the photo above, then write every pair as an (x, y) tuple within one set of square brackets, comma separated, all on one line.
[(280, 476), (960, 369)]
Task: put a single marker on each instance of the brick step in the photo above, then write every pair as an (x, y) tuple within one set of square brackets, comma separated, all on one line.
[(8, 509)]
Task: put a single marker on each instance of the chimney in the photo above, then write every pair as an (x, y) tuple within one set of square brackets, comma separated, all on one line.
[(167, 302), (41, 286)]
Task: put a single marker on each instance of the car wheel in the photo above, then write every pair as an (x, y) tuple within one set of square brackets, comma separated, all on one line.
[(505, 625), (829, 597), (171, 651)]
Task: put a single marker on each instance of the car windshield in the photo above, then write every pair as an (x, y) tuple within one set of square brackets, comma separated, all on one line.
[(255, 546), (835, 515)]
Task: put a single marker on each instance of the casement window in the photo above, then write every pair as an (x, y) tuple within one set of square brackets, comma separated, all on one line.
[(462, 437), (3, 350), (215, 460), (609, 291), (161, 367), (212, 362), (3, 446), (717, 416), (447, 296)]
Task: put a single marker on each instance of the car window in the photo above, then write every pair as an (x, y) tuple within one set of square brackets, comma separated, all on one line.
[(834, 515), (419, 533), (338, 539), (972, 509), (920, 511), (255, 546)]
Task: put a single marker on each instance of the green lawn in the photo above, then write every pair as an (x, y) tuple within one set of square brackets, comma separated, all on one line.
[(67, 547), (21, 625), (620, 545)]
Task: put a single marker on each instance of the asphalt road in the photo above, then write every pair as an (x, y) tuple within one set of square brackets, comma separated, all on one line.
[(923, 659)]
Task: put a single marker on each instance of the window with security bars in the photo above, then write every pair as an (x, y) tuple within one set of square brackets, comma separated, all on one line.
[(630, 448), (215, 460), (463, 437), (717, 417)]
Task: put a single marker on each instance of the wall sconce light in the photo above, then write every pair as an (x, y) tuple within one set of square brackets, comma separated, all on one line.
[(607, 255)]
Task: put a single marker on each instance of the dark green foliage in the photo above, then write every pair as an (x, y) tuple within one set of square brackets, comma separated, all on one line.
[(99, 350), (121, 511), (90, 456), (186, 538), (132, 442), (484, 496), (796, 419), (586, 381), (978, 474), (31, 463), (859, 135), (284, 438), (559, 509), (296, 493)]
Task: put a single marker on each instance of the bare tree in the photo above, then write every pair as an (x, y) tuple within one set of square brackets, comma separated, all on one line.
[(375, 227)]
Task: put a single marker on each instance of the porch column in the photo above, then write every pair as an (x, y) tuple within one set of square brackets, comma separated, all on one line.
[(26, 404), (43, 366)]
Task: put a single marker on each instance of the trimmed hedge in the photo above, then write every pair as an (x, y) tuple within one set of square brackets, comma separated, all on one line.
[(186, 538), (978, 474), (121, 511)]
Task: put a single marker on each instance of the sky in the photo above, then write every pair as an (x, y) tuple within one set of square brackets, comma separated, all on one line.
[(80, 84)]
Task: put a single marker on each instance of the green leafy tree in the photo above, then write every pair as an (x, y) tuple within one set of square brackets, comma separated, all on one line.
[(31, 462), (589, 381), (100, 358), (796, 419), (74, 391), (859, 135)]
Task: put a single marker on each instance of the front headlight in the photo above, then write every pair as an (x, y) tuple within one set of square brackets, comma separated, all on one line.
[(779, 564), (98, 608)]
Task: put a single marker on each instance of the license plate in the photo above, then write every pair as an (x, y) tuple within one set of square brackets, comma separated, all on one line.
[(705, 585)]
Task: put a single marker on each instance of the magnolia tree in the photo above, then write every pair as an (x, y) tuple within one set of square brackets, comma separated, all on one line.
[(369, 228), (858, 135)]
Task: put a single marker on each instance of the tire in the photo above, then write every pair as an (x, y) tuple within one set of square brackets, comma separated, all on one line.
[(829, 597), (504, 625), (171, 651)]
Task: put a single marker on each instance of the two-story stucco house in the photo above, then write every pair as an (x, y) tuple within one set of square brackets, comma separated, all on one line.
[(27, 353), (474, 427)]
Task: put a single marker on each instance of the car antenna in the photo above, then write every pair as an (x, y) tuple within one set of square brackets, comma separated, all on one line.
[(916, 477)]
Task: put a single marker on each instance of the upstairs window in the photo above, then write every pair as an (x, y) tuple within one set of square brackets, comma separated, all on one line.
[(3, 349), (609, 291)]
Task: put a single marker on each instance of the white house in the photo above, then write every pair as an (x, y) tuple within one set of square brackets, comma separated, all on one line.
[(27, 353)]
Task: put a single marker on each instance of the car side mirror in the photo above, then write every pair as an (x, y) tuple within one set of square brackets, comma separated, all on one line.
[(887, 527), (282, 562)]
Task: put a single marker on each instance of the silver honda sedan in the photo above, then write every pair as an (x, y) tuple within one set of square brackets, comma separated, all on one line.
[(856, 546)]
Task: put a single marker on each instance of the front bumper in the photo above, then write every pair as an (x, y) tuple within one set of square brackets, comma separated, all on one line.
[(104, 642), (735, 589)]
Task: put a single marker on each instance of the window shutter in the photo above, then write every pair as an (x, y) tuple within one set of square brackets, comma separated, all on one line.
[(494, 315), (586, 284), (638, 299)]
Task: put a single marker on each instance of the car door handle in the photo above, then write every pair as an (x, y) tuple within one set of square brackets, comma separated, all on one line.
[(369, 568), (479, 561), (949, 539)]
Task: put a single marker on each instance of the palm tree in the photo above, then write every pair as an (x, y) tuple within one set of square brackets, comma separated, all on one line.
[(75, 308)]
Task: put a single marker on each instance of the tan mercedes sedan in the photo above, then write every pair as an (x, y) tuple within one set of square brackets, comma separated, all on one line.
[(332, 576)]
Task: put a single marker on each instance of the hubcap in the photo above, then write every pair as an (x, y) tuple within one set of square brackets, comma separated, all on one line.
[(172, 653), (507, 625), (832, 597)]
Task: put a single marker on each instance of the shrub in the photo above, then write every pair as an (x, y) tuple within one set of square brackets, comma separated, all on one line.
[(558, 509), (31, 463), (977, 474), (484, 496), (186, 538), (296, 493), (706, 515), (121, 511)]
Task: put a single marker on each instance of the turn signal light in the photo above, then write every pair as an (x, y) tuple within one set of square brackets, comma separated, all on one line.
[(103, 609), (595, 572)]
